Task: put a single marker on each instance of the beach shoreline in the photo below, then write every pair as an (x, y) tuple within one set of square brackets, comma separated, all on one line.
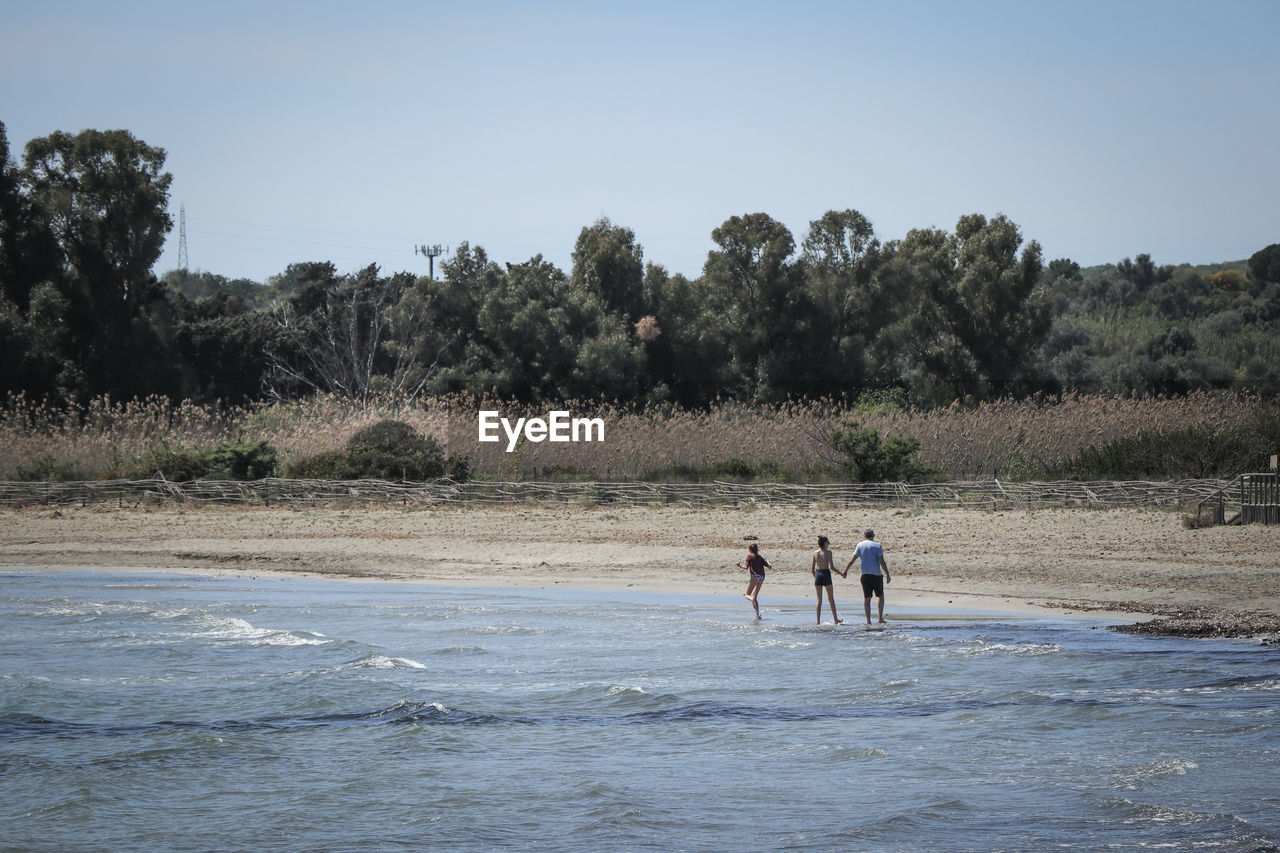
[(1138, 566)]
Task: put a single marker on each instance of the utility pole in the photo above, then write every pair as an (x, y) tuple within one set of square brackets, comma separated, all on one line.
[(182, 237), (430, 253)]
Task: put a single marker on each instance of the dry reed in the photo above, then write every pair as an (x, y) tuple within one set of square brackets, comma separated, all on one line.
[(1005, 438)]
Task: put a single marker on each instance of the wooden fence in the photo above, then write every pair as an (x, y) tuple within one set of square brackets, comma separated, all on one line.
[(982, 494), (1259, 499)]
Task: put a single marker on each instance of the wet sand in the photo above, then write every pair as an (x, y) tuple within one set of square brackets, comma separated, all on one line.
[(1140, 566)]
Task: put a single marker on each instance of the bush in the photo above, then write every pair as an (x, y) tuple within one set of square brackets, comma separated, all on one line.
[(228, 461), (46, 469), (253, 460), (174, 463), (387, 450), (732, 470), (867, 458)]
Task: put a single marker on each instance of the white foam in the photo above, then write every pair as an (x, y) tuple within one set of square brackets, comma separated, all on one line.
[(236, 629), (625, 691), (377, 661), (1131, 778)]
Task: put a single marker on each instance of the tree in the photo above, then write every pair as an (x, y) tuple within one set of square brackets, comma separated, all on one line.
[(353, 335), (199, 286), (468, 278), (105, 198), (1143, 273), (1183, 295), (686, 348), (996, 307), (840, 256), (912, 343), (102, 198), (529, 328), (221, 345), (28, 253), (609, 265), (752, 285), (970, 310), (1264, 265)]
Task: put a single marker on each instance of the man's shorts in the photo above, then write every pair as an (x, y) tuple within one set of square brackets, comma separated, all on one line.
[(872, 584)]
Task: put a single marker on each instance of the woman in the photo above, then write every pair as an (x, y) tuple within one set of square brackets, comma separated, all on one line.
[(755, 566), (822, 567)]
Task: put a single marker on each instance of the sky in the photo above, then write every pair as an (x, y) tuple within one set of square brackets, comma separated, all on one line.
[(353, 133)]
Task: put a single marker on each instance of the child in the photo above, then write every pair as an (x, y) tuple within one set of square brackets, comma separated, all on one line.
[(822, 567), (755, 566)]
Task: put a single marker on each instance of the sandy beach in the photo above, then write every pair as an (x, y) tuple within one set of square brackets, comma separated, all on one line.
[(1139, 566)]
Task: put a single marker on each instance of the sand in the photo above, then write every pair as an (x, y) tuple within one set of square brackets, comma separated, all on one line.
[(1141, 567)]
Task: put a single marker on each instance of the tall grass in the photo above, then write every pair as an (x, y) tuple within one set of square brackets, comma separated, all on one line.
[(1022, 439)]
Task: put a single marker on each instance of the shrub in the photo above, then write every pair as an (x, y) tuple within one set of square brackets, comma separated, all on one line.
[(867, 458), (252, 460), (331, 465), (47, 469), (386, 450), (227, 461), (178, 464)]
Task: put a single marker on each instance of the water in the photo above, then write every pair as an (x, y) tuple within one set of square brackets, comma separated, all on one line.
[(166, 712)]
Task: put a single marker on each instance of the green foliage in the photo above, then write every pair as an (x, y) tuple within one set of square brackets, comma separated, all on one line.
[(388, 450), (881, 401), (751, 287), (178, 464), (865, 457), (1264, 266), (726, 470), (940, 315), (47, 469), (254, 460), (608, 263)]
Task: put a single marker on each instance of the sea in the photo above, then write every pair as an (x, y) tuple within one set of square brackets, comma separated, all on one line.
[(170, 712)]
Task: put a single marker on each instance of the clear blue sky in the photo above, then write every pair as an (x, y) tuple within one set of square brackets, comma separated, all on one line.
[(351, 132)]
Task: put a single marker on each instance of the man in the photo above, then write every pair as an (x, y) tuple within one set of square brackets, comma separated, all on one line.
[(875, 573)]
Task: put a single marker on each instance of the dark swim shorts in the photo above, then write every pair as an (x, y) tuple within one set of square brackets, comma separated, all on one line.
[(872, 584), (822, 577)]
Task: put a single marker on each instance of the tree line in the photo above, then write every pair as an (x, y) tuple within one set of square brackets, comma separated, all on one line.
[(973, 312)]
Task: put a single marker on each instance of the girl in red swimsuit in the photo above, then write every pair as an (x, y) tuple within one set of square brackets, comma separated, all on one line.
[(755, 566)]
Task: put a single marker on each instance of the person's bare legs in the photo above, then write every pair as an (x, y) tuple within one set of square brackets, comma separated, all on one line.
[(866, 607), (831, 597), (818, 590), (879, 610), (752, 593)]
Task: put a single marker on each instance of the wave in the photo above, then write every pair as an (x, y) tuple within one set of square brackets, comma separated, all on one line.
[(235, 629), (377, 661), (373, 660), (492, 630), (981, 647), (605, 706), (1132, 777), (1241, 683), (1230, 827), (460, 650)]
